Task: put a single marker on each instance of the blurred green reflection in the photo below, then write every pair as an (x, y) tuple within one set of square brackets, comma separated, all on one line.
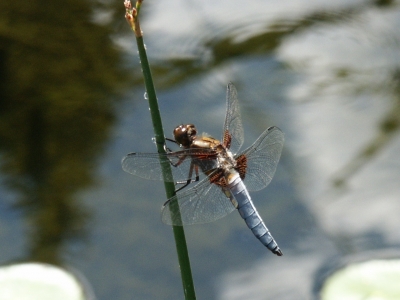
[(376, 279), (59, 78)]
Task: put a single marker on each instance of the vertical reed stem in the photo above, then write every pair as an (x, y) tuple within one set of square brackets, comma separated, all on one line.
[(179, 234)]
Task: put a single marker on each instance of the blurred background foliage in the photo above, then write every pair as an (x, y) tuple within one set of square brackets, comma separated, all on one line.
[(60, 80)]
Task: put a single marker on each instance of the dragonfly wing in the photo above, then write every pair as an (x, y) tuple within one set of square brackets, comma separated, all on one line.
[(146, 165), (151, 165), (203, 203), (233, 122), (262, 158)]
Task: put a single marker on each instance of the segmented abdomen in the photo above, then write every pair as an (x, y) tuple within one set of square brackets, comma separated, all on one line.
[(250, 215)]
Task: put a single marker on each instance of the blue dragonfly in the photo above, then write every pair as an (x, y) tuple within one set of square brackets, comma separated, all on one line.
[(229, 174)]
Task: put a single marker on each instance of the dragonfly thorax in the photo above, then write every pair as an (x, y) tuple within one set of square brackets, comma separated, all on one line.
[(226, 161)]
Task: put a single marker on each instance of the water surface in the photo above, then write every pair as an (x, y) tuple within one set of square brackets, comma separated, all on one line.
[(326, 73)]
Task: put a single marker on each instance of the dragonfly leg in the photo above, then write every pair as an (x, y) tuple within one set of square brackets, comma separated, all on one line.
[(171, 140), (190, 180), (166, 147), (185, 183)]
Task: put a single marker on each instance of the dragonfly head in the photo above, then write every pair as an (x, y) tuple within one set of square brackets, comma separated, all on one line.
[(185, 134)]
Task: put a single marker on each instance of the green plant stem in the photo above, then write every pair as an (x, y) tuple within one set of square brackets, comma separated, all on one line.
[(179, 234)]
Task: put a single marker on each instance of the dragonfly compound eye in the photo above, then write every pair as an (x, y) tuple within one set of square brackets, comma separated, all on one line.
[(185, 134)]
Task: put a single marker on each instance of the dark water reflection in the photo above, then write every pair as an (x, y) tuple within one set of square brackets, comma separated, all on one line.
[(325, 73), (57, 93)]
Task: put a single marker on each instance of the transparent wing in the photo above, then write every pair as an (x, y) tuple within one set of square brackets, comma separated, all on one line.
[(203, 203), (262, 158), (233, 122), (150, 165)]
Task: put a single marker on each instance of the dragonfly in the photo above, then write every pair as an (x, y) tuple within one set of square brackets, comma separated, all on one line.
[(229, 175)]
